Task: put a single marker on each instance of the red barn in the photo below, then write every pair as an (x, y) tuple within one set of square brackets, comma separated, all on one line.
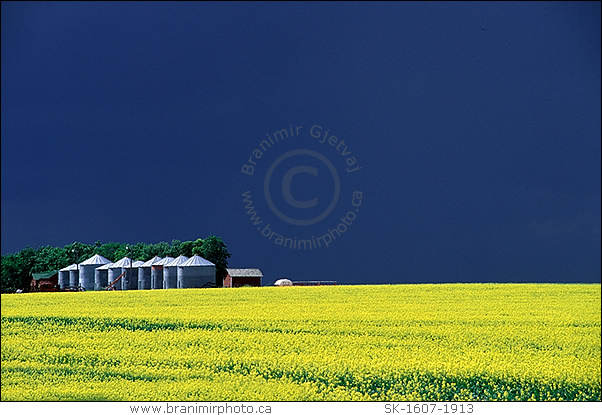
[(240, 277), (47, 281)]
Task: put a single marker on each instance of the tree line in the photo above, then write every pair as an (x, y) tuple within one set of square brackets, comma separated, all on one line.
[(17, 268)]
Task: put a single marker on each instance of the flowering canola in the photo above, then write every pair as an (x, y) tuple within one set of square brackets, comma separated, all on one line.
[(493, 342)]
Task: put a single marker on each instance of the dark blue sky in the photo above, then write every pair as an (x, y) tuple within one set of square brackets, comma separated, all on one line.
[(473, 129)]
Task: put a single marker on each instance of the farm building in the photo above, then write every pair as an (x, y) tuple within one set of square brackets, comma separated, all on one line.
[(283, 282), (47, 281), (69, 277), (115, 271), (144, 273), (98, 273), (130, 278), (239, 277), (101, 277), (196, 272), (170, 272), (157, 281), (64, 277), (87, 271)]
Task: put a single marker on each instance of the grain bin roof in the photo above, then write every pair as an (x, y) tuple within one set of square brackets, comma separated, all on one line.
[(105, 266), (122, 263), (138, 263), (151, 262), (197, 261), (71, 267), (244, 272), (96, 260), (164, 261), (177, 261)]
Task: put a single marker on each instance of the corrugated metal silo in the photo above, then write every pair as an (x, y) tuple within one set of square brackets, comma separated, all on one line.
[(170, 272), (101, 277), (144, 278), (64, 277), (157, 273), (136, 270), (86, 271), (130, 279), (116, 269), (144, 273), (197, 272), (73, 276)]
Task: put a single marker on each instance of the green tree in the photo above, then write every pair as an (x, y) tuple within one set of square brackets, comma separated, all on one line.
[(186, 248), (78, 252), (50, 258), (123, 251), (152, 250), (108, 250), (10, 278), (140, 251), (175, 248), (214, 249), (16, 270), (161, 249)]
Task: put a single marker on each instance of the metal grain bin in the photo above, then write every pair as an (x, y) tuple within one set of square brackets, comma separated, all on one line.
[(115, 270), (197, 272), (136, 265), (86, 271), (73, 276), (170, 272), (144, 278), (101, 277), (157, 273), (144, 273), (64, 277), (112, 275), (130, 279)]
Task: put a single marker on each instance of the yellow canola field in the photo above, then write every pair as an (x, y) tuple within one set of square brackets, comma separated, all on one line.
[(394, 343)]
